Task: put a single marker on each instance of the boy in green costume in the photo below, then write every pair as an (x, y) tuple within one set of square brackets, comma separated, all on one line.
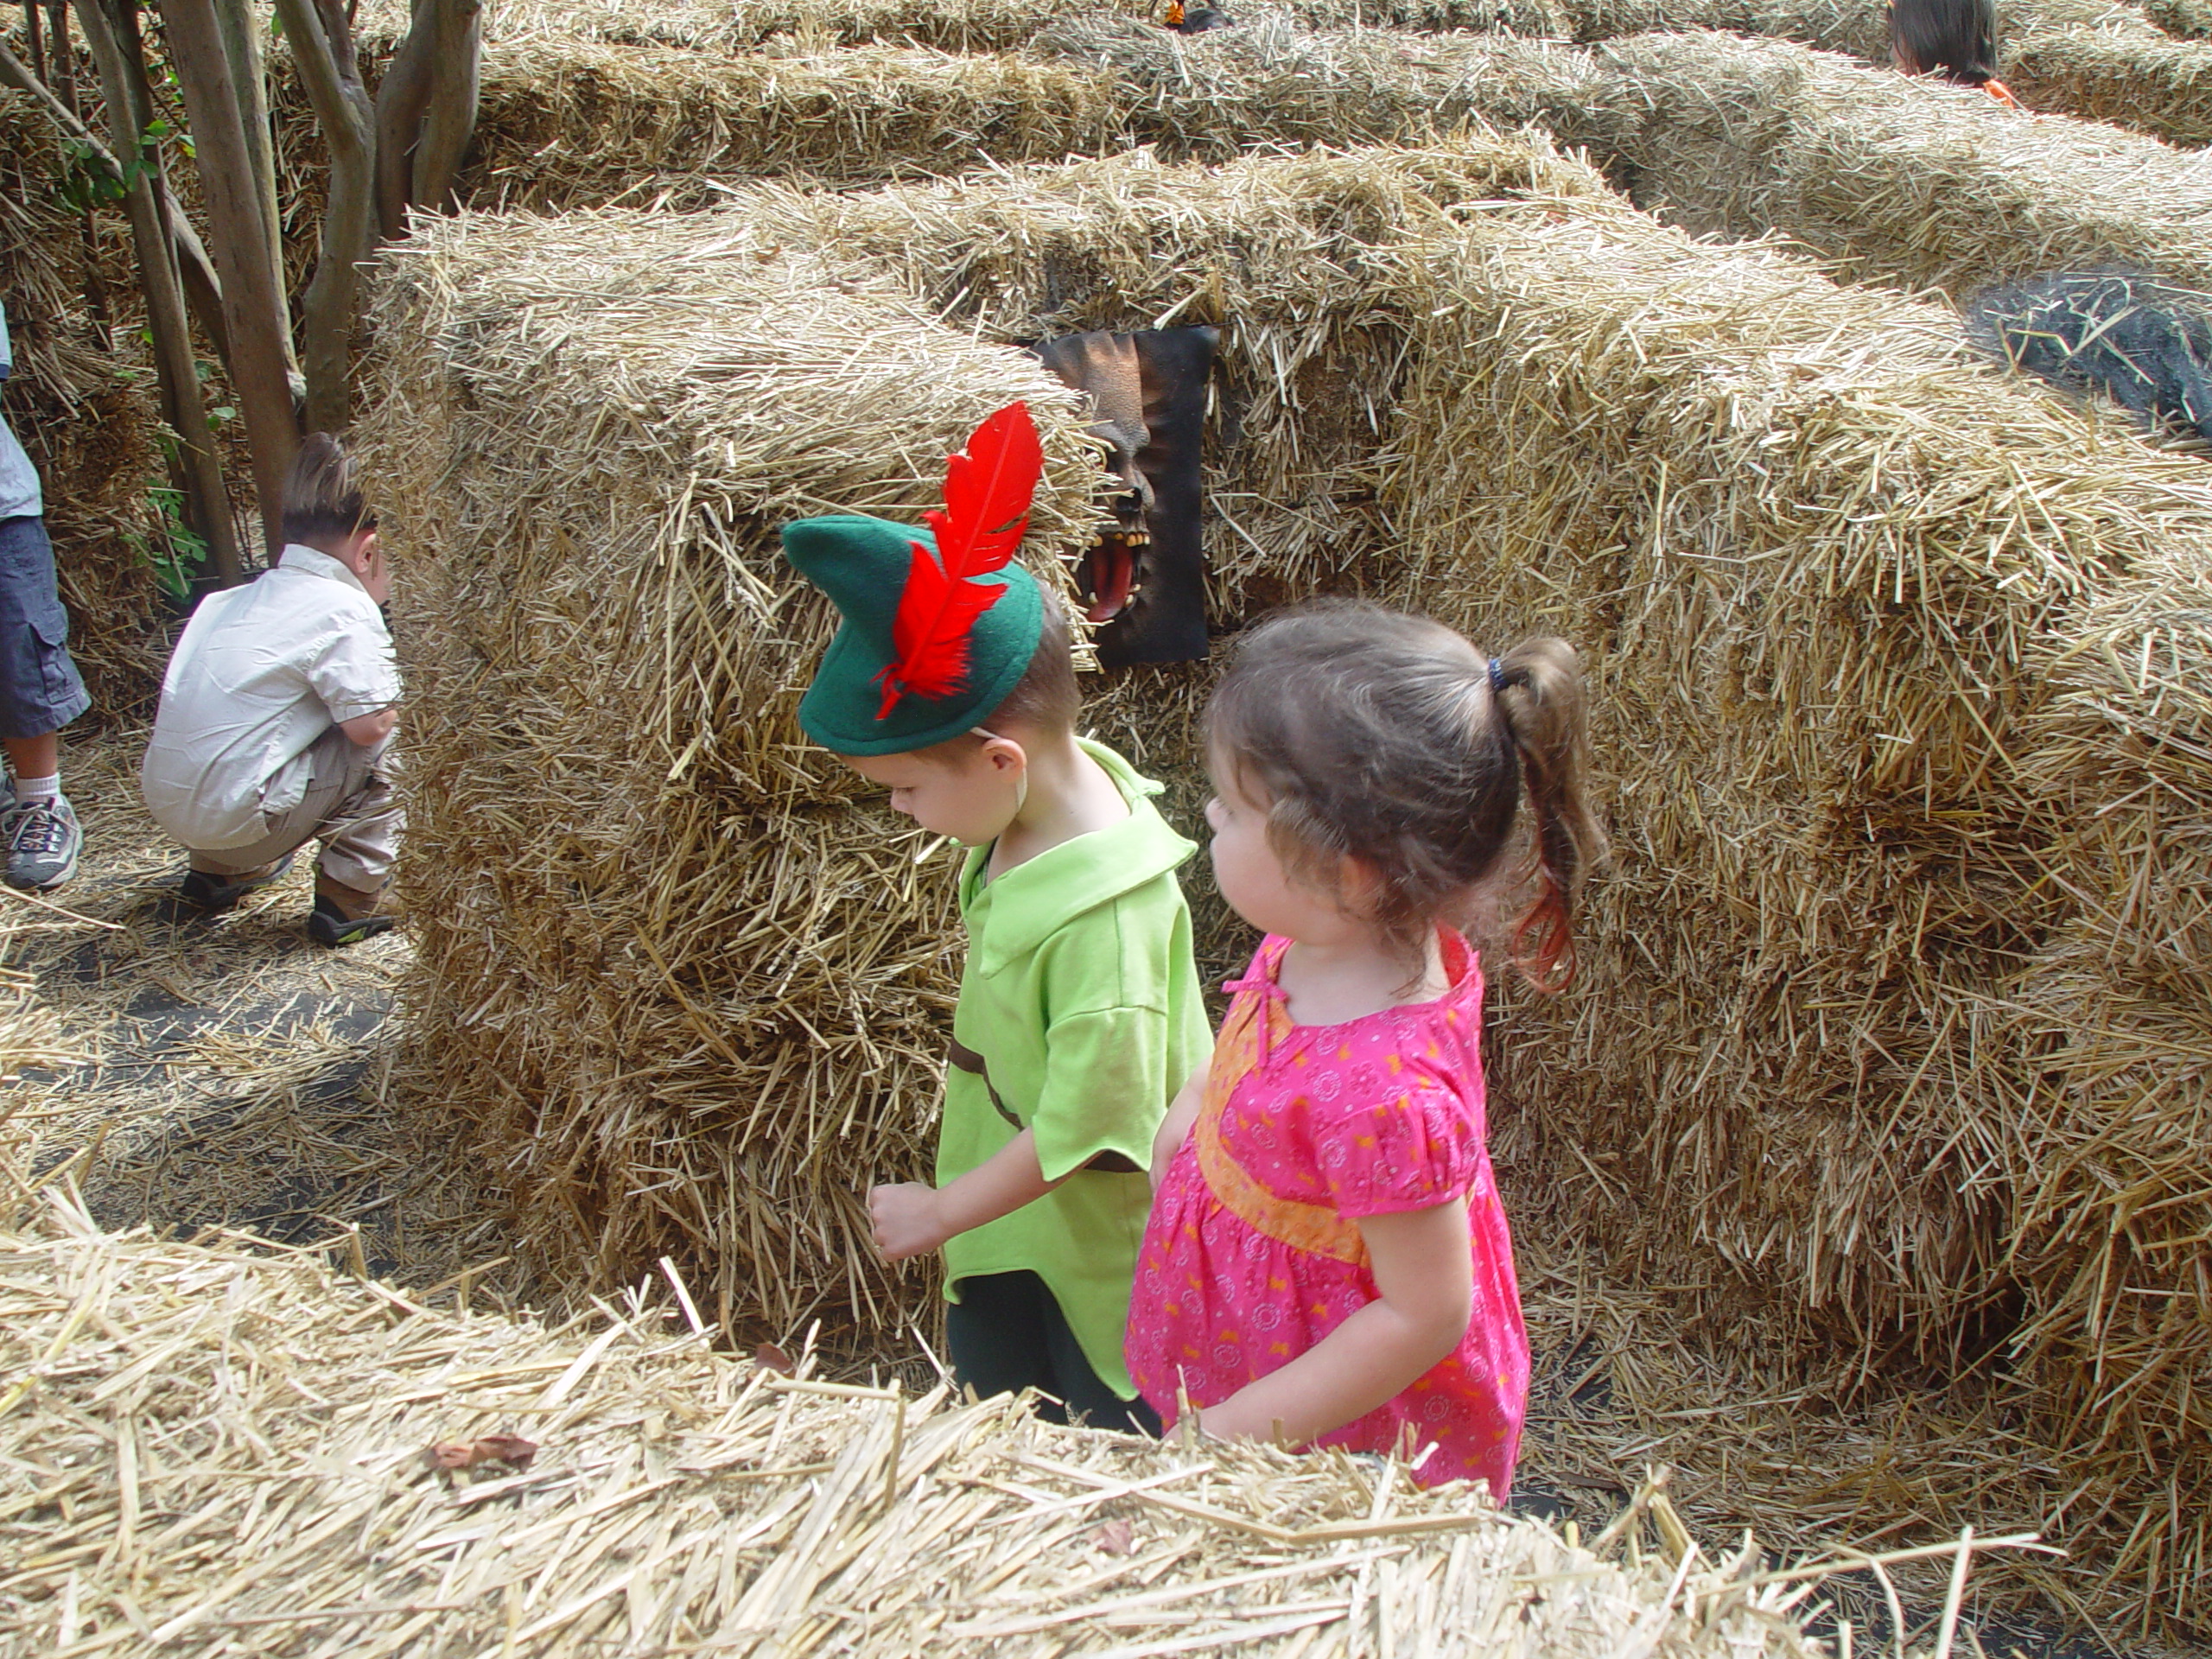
[(951, 684)]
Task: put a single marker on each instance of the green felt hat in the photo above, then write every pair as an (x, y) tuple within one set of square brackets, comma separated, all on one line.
[(863, 564)]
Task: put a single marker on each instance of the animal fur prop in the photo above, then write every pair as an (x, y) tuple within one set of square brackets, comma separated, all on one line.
[(2145, 343)]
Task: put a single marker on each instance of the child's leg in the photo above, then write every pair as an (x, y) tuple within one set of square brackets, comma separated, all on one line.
[(361, 837), (40, 693), (1089, 1398), (997, 1336), (330, 779)]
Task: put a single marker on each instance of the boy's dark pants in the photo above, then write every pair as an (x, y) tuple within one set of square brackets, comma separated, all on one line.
[(1006, 1333)]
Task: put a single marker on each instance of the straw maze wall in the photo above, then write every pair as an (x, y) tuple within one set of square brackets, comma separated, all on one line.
[(1853, 1050), (672, 105), (1837, 582)]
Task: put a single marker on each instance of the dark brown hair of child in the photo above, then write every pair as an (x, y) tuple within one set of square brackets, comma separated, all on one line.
[(1387, 738), (322, 502)]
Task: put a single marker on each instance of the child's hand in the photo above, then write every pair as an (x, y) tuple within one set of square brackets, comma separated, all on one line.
[(906, 1220)]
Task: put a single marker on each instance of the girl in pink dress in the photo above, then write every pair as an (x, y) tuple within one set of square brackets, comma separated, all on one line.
[(1327, 1262)]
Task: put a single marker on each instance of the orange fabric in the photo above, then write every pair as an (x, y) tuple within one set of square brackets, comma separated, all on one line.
[(1311, 1227)]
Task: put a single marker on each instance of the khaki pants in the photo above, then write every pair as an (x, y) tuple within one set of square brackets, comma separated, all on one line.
[(350, 806)]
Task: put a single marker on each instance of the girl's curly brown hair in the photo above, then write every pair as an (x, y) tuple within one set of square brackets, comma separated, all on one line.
[(1387, 738)]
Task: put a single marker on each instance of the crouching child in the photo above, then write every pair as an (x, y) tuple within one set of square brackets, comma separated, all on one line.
[(951, 684), (276, 716)]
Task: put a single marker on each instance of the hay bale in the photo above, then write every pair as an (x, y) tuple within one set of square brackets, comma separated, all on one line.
[(1827, 568), (1893, 180), (565, 122), (81, 400), (644, 916), (227, 1449), (661, 1040), (1859, 27), (2099, 59), (2116, 1015), (2185, 19), (1272, 82), (731, 26), (2140, 79)]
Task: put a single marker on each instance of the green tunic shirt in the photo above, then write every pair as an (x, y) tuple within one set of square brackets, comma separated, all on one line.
[(1079, 1018)]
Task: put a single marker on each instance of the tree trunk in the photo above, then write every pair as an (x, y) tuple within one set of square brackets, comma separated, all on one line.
[(208, 506), (253, 292), (322, 48), (235, 21), (36, 32), (403, 98), (450, 121)]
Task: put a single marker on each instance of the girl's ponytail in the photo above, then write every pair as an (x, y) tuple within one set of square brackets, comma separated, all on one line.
[(1389, 738), (1538, 686)]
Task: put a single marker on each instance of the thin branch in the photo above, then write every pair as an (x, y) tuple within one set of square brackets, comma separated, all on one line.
[(323, 52), (16, 73), (37, 36)]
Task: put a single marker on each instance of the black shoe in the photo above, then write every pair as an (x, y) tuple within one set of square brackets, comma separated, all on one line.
[(216, 893), (327, 924)]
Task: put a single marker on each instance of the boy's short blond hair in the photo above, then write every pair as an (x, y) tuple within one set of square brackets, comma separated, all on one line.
[(322, 499), (1045, 697), (1046, 694)]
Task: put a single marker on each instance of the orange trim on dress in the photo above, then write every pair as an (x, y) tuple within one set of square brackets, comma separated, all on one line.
[(1313, 1227)]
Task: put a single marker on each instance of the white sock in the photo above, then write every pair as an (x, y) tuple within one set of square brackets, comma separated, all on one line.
[(30, 791)]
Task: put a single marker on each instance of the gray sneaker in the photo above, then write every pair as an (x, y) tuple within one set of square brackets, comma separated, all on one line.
[(43, 841)]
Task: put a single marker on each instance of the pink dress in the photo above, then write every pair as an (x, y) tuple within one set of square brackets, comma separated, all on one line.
[(1251, 1255)]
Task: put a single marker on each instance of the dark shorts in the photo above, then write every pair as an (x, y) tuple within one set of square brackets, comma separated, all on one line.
[(39, 690), (1006, 1333)]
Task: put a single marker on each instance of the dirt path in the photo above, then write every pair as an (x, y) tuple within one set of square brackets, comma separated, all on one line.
[(235, 1074)]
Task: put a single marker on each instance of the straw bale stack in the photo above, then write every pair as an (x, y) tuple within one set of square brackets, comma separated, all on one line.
[(1274, 82), (564, 123), (1894, 181), (1835, 580), (2115, 1013), (2136, 77), (677, 991), (1859, 27), (951, 25), (212, 1451), (681, 996), (2185, 19), (1780, 512), (2099, 59), (81, 401)]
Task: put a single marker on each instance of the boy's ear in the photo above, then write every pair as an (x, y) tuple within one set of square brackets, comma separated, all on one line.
[(1004, 754)]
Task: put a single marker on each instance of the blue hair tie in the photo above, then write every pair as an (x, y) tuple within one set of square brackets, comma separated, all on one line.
[(1496, 676)]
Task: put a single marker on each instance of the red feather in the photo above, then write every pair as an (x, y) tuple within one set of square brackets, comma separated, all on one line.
[(988, 491), (986, 494)]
